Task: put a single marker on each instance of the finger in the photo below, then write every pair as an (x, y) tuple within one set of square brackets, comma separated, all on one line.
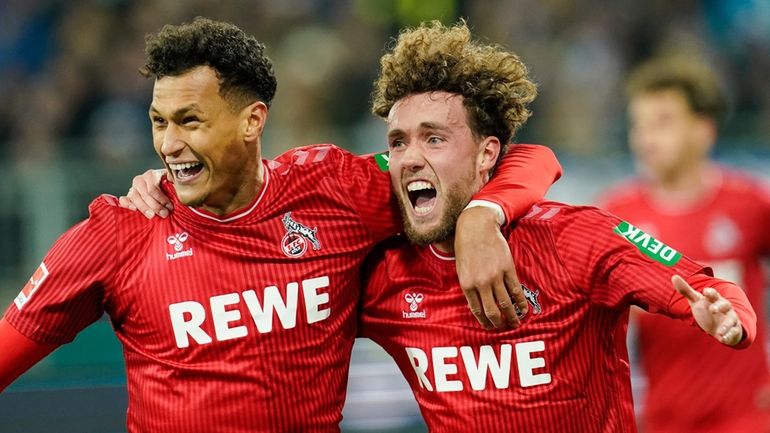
[(160, 173), (721, 306), (474, 304), (157, 193), (506, 305), (728, 325), (733, 336), (516, 292), (144, 202), (126, 203), (491, 309), (148, 189), (711, 294), (141, 206), (685, 289)]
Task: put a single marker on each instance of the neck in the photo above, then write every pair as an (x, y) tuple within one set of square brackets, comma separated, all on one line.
[(683, 186), (446, 247), (240, 196)]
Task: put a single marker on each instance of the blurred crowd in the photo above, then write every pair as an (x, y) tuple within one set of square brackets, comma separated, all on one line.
[(70, 86)]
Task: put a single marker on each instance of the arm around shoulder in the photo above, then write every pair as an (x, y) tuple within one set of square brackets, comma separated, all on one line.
[(522, 179)]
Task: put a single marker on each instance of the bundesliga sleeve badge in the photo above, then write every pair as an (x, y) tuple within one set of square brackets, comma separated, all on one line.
[(29, 289)]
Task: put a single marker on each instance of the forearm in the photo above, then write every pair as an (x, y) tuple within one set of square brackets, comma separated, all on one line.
[(732, 293), (522, 179), (18, 353)]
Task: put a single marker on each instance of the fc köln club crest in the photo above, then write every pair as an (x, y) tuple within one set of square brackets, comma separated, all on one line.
[(295, 241)]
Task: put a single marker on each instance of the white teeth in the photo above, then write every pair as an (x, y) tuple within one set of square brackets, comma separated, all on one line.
[(423, 209), (419, 185), (183, 166)]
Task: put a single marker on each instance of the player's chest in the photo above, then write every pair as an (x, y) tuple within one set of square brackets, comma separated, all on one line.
[(423, 302), (197, 286)]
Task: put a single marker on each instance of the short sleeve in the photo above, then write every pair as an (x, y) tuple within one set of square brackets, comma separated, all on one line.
[(66, 292)]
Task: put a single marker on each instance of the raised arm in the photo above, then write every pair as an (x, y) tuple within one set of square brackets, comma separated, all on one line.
[(18, 353), (484, 263)]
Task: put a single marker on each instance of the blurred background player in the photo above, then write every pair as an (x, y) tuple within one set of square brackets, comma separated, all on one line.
[(712, 213)]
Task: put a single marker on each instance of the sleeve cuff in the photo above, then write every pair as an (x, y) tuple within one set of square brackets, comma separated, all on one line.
[(489, 205)]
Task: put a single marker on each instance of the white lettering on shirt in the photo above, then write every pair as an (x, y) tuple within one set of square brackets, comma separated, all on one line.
[(447, 378), (313, 299), (190, 327), (188, 317), (528, 364)]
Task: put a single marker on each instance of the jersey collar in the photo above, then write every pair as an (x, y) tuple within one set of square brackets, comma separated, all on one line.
[(234, 216)]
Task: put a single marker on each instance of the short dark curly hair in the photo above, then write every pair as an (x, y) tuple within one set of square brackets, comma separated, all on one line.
[(245, 72), (695, 80), (494, 82)]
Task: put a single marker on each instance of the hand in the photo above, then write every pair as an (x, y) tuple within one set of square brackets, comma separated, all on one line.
[(485, 269), (146, 196), (713, 313)]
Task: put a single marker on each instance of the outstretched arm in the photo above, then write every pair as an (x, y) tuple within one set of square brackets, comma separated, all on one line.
[(18, 353), (484, 263), (718, 307)]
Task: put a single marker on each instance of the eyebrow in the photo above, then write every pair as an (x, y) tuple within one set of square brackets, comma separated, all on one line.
[(423, 125), (180, 111)]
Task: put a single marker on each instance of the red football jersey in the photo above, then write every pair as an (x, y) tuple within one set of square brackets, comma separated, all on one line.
[(705, 388), (563, 370), (242, 323)]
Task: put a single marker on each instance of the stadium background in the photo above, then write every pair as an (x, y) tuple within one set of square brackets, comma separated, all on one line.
[(73, 124)]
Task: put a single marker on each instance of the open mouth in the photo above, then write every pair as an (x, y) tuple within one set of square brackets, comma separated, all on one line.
[(186, 171), (422, 196)]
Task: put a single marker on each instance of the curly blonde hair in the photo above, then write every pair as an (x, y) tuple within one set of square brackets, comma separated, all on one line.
[(431, 57)]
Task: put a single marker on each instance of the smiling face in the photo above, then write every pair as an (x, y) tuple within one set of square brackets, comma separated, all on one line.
[(436, 163), (211, 150)]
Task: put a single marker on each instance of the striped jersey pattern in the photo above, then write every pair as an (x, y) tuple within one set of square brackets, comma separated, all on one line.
[(565, 370), (728, 230), (236, 324), (242, 323)]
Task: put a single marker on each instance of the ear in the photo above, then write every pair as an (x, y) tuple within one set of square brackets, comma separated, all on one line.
[(255, 119), (705, 131), (488, 153)]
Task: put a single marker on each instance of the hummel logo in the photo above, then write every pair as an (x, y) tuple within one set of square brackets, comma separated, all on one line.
[(414, 300), (177, 240)]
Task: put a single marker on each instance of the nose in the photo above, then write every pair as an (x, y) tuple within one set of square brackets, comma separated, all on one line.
[(642, 139), (413, 158), (171, 140)]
